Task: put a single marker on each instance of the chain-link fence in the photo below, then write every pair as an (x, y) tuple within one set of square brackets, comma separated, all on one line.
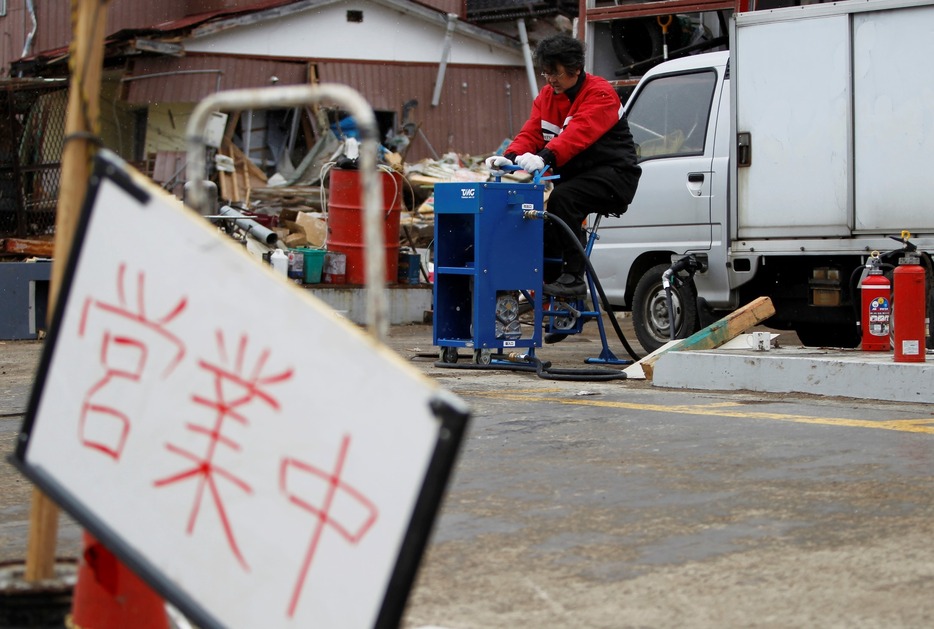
[(32, 131)]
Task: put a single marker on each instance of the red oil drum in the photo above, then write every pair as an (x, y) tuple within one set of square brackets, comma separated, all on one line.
[(345, 221)]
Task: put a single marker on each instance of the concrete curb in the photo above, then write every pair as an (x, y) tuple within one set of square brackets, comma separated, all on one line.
[(846, 373)]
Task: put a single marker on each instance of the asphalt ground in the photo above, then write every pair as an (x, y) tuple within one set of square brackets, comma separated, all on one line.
[(620, 504)]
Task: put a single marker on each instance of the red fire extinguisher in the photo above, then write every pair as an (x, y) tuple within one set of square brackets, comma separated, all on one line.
[(909, 317), (876, 293)]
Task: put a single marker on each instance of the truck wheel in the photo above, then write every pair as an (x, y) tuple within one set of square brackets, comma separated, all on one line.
[(650, 309), (824, 335)]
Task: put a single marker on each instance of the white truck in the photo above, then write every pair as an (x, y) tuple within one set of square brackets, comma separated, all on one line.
[(781, 164)]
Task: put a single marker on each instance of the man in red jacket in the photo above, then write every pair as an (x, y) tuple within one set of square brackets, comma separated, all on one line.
[(577, 128)]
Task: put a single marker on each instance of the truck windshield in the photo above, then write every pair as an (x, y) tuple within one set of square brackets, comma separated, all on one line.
[(670, 113)]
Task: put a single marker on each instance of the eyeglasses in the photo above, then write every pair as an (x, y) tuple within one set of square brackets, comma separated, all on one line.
[(548, 75)]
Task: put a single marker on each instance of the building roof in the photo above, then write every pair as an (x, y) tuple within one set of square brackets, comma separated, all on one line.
[(163, 37), (485, 11)]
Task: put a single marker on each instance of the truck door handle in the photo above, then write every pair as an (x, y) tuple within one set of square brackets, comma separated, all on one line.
[(696, 177), (696, 183)]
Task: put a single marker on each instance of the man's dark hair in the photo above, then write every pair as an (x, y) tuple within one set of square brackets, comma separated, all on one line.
[(561, 50)]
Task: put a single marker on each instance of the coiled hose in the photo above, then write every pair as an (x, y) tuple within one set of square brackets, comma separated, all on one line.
[(607, 307)]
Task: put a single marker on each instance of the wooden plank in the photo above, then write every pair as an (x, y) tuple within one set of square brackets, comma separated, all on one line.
[(227, 186), (718, 332), (28, 247), (246, 175), (232, 121), (257, 176), (168, 165)]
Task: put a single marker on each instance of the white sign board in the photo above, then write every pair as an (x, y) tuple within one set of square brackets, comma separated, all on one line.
[(259, 460)]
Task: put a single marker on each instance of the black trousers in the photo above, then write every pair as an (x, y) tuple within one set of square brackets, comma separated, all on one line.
[(603, 190)]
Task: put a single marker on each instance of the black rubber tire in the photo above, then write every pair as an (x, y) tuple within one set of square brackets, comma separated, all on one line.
[(650, 309)]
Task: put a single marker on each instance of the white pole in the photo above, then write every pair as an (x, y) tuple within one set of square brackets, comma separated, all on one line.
[(527, 53), (445, 55)]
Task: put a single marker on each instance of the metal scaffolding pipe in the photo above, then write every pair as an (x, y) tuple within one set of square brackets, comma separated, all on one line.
[(445, 55), (249, 226), (527, 53), (158, 75), (31, 35)]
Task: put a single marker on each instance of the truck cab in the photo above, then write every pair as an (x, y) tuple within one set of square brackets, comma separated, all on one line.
[(679, 118)]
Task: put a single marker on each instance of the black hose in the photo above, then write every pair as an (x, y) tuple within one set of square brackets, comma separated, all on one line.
[(671, 313), (593, 274), (490, 367), (641, 67), (543, 370), (855, 297)]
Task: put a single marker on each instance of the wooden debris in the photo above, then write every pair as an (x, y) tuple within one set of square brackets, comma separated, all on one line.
[(718, 332), (169, 170), (236, 186), (43, 248), (300, 198)]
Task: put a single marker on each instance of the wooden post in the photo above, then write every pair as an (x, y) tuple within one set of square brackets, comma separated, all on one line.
[(89, 18)]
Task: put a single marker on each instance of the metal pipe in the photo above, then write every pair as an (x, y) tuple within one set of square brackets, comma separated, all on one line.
[(248, 134), (527, 54), (293, 96), (293, 130), (445, 55), (31, 8), (509, 108), (154, 75), (249, 226)]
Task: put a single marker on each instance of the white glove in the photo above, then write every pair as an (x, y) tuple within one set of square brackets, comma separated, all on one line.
[(530, 162), (496, 163)]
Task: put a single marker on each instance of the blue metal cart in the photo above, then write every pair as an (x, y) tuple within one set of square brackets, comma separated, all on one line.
[(489, 274), (488, 257)]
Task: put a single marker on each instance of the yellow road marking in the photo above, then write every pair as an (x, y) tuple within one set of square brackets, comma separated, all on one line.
[(923, 425)]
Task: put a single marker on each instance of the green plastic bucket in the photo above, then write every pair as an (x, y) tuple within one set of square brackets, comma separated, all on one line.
[(314, 262)]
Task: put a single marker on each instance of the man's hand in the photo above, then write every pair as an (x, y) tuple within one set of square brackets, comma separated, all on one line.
[(530, 162), (496, 163)]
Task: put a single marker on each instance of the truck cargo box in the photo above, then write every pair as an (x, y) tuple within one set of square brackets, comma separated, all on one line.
[(838, 104)]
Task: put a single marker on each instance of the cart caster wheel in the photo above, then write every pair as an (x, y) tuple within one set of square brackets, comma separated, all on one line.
[(448, 355), (482, 357)]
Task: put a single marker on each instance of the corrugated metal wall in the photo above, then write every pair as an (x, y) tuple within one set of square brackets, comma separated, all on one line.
[(54, 20), (190, 79), (478, 108), (54, 23), (16, 25)]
